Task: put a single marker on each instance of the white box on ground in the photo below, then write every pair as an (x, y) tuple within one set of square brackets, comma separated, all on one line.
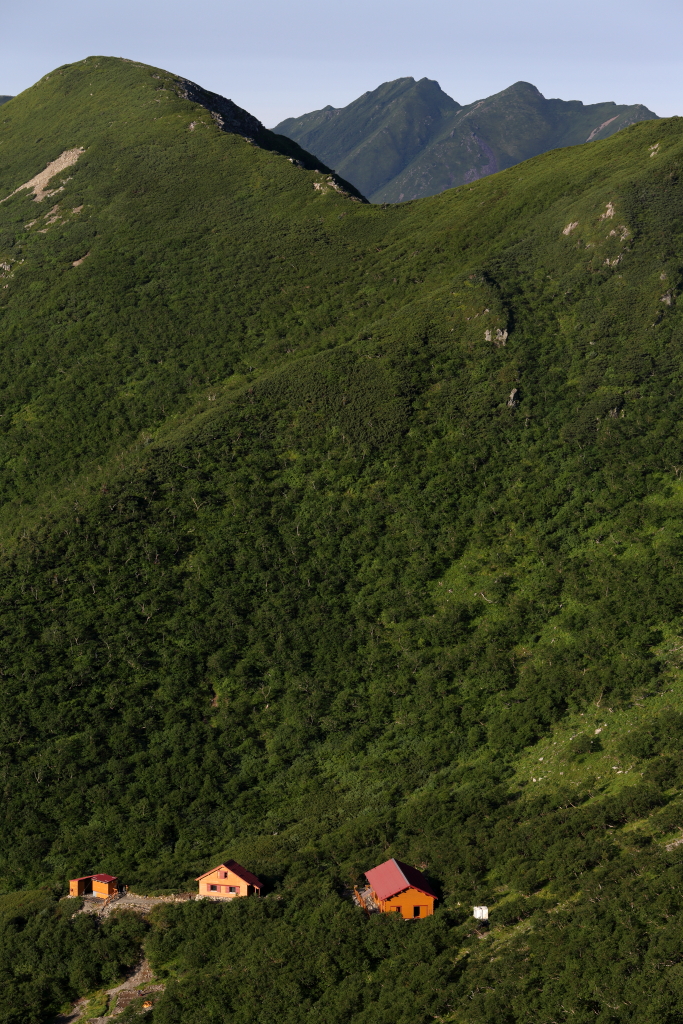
[(481, 913)]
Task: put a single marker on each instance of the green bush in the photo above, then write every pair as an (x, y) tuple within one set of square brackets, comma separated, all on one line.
[(48, 957)]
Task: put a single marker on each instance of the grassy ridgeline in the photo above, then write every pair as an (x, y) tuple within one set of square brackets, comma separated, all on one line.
[(303, 565)]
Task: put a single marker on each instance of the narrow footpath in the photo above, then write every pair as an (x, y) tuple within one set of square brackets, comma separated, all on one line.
[(140, 984)]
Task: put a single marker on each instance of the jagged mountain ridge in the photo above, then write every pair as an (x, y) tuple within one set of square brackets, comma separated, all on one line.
[(408, 139)]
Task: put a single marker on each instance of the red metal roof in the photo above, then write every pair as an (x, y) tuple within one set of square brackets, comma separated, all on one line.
[(393, 877), (243, 873), (98, 878), (237, 869)]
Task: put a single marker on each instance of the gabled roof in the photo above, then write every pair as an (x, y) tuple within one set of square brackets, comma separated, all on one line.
[(237, 869), (97, 878), (392, 877), (245, 875)]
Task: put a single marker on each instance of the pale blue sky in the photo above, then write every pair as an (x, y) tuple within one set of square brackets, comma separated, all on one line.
[(281, 59)]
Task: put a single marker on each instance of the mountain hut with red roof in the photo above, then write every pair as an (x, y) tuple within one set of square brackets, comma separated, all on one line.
[(228, 881), (399, 889), (101, 886)]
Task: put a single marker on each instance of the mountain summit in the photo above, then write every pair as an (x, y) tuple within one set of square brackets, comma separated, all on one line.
[(409, 139)]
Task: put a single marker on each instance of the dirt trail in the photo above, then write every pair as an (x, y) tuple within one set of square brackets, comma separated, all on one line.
[(141, 983), (74, 1014), (131, 901), (143, 904)]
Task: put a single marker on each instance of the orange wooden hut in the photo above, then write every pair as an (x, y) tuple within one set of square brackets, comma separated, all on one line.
[(398, 888), (101, 886), (228, 881)]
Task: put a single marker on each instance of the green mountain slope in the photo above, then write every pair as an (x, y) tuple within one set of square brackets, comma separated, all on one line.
[(202, 317), (333, 532), (408, 139)]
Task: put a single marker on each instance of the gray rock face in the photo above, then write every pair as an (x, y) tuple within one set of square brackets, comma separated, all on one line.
[(225, 113)]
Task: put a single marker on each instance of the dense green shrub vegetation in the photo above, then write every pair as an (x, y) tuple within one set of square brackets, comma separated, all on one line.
[(326, 529), (614, 955), (48, 957)]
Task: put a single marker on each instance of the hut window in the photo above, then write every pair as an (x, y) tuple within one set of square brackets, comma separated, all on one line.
[(213, 888), (234, 888), (416, 911)]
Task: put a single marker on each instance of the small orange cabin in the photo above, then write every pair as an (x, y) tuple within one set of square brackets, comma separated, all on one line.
[(101, 886), (398, 888), (228, 881)]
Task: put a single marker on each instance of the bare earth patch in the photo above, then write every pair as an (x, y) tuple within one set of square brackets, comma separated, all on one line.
[(600, 127), (129, 901), (40, 182)]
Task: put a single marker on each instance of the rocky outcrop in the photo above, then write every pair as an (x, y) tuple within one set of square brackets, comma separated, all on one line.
[(227, 115), (231, 118)]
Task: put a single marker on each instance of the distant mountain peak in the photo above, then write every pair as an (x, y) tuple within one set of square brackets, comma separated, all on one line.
[(522, 86), (407, 138)]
